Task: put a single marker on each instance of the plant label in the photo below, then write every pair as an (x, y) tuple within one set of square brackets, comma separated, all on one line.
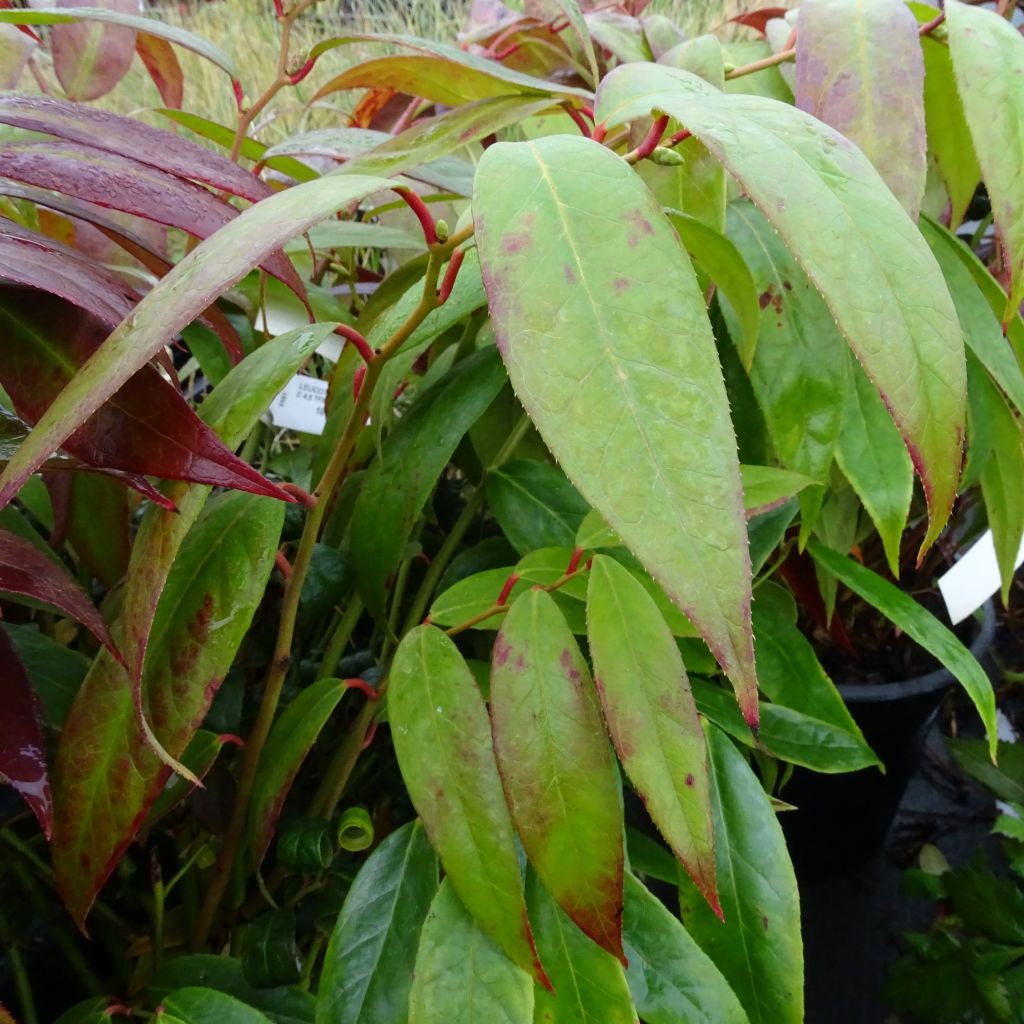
[(300, 405), (973, 580)]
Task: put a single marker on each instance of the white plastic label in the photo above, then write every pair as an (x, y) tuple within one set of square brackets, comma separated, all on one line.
[(300, 405), (973, 580)]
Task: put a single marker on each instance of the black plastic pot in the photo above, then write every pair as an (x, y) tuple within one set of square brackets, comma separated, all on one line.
[(842, 820)]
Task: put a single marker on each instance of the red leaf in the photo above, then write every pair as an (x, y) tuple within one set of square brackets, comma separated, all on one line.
[(22, 755), (119, 183), (757, 20), (27, 571), (146, 428), (131, 138), (162, 64), (90, 59)]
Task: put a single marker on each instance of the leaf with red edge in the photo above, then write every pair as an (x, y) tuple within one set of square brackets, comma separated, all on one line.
[(129, 137), (162, 64), (26, 571), (557, 767), (22, 754), (119, 183), (758, 19), (146, 428), (90, 60)]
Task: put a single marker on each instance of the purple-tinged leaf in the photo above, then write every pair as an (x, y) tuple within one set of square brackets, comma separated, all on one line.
[(130, 138), (162, 64), (859, 69), (15, 50), (26, 571), (22, 753), (758, 20), (557, 767), (90, 60), (146, 428), (194, 283)]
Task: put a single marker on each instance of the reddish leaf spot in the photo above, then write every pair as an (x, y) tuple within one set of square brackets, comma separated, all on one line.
[(689, 779), (620, 284), (501, 651), (570, 274), (517, 241), (769, 298), (569, 665)]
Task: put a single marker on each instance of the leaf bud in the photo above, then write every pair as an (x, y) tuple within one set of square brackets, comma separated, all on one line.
[(441, 230), (666, 157)]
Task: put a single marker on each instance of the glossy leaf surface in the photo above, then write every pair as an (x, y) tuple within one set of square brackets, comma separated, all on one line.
[(90, 59), (988, 61), (767, 487), (637, 417), (208, 1006), (369, 964), (461, 976), (557, 767), (206, 607), (758, 946), (919, 624), (55, 671), (442, 738), (804, 176), (651, 716), (859, 69), (589, 985), (175, 301), (290, 740), (672, 979), (397, 486), (22, 749)]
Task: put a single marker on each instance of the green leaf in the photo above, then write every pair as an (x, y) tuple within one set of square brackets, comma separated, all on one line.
[(853, 240), (589, 985), (208, 1006), (758, 947), (151, 26), (920, 625), (874, 459), (535, 505), (1006, 780), (800, 368), (767, 487), (651, 716), (988, 60), (176, 300), (722, 262), (638, 418), (557, 767), (105, 775), (398, 484), (949, 135), (282, 1005), (368, 967), (198, 757), (271, 956), (442, 739), (594, 532), (672, 980), (461, 976), (859, 69), (55, 671), (290, 740)]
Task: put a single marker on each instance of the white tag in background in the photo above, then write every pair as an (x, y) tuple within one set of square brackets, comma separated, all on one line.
[(973, 579), (300, 405)]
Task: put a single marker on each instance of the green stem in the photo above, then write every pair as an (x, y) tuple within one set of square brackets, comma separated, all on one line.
[(335, 779), (316, 947), (159, 895), (342, 635), (22, 986)]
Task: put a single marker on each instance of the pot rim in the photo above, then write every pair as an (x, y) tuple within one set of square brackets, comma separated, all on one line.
[(940, 679)]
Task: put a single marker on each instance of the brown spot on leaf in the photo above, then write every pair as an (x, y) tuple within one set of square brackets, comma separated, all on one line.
[(769, 297), (787, 286), (689, 779), (620, 284), (570, 274), (764, 923)]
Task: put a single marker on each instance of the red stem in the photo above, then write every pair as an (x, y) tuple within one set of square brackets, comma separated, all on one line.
[(449, 275), (599, 132), (299, 493), (236, 85), (283, 565), (680, 136), (507, 588), (357, 381), (650, 143), (362, 686), (423, 215), (302, 72), (580, 121), (361, 344), (574, 562)]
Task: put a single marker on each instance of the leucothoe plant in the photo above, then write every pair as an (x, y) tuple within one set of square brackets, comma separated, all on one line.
[(673, 331)]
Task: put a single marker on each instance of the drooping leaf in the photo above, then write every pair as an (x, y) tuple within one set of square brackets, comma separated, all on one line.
[(672, 979), (758, 946), (146, 428), (22, 750), (461, 976), (853, 240), (172, 33), (637, 418), (442, 738), (199, 757), (651, 716), (164, 69), (588, 984), (55, 672), (211, 594), (175, 301), (208, 1006), (90, 59), (768, 487), (920, 625), (27, 572), (535, 505), (556, 766), (988, 61), (397, 485), (620, 34), (290, 740), (368, 967), (859, 69)]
